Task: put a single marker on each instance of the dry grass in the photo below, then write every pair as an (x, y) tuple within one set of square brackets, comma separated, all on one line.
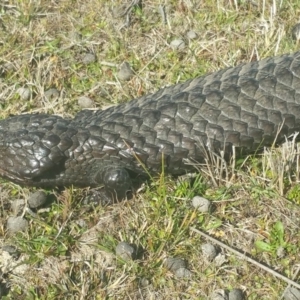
[(42, 46)]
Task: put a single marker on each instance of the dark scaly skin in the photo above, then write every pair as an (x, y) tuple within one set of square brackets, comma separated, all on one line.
[(242, 106)]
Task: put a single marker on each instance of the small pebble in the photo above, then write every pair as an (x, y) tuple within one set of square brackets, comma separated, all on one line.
[(9, 248), (209, 251), (37, 199), (17, 206), (125, 251), (51, 94), (177, 44), (144, 282), (88, 58), (85, 102), (12, 250), (201, 204), (15, 224), (220, 259), (81, 222), (296, 32), (291, 293), (24, 93), (219, 295), (125, 72), (175, 263), (183, 273), (191, 35), (8, 66), (236, 294), (280, 252)]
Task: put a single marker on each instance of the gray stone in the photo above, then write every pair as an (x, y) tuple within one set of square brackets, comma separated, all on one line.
[(183, 273), (17, 206), (15, 224), (175, 263), (9, 66), (280, 252), (191, 35), (220, 259), (51, 94), (209, 251), (88, 58), (144, 282), (85, 102), (177, 44), (236, 294), (125, 251), (37, 199), (24, 93), (125, 72), (12, 250), (201, 204), (81, 223)]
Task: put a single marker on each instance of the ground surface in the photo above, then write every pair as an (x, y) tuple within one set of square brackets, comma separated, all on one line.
[(53, 53)]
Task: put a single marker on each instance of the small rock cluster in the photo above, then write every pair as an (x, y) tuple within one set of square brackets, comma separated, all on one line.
[(17, 222), (179, 267)]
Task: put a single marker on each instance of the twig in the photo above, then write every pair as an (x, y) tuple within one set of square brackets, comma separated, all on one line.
[(162, 11), (247, 258), (294, 276)]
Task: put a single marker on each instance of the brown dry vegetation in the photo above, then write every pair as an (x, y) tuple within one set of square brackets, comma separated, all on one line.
[(42, 45)]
